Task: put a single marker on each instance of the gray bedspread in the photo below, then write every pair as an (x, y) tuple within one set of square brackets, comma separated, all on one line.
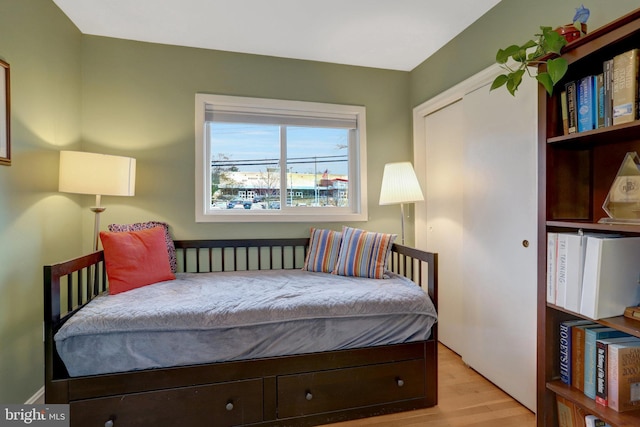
[(212, 317)]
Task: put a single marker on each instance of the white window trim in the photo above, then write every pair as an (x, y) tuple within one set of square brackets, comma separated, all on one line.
[(357, 177)]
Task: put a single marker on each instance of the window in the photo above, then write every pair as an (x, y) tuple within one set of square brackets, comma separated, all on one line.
[(263, 160)]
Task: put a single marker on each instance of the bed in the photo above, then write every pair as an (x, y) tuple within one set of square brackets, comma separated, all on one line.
[(313, 383)]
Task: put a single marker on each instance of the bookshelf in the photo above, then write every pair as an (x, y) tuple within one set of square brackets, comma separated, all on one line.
[(575, 174)]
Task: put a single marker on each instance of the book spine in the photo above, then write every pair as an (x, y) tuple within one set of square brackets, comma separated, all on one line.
[(608, 92), (551, 267), (601, 373), (590, 364), (565, 356), (585, 104), (625, 87), (564, 112), (613, 387), (572, 111), (628, 380), (561, 269), (577, 358), (600, 100)]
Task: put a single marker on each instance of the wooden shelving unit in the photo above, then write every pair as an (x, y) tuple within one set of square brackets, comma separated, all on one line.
[(576, 172)]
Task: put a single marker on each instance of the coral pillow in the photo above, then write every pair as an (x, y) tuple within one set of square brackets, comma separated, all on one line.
[(363, 253), (171, 249), (323, 250), (135, 258)]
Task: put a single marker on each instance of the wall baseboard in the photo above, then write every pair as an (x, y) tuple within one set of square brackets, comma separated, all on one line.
[(37, 398)]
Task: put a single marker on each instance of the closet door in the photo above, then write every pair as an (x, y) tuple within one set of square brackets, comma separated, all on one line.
[(442, 225), (500, 236)]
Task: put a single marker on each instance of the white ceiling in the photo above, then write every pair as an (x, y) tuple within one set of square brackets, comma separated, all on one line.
[(390, 34)]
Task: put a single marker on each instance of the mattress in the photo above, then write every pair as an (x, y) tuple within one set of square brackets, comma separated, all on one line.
[(225, 316)]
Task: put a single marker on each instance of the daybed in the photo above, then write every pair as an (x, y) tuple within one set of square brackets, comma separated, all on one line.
[(305, 388)]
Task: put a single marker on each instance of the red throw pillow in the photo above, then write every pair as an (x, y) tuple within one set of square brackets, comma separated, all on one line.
[(135, 258)]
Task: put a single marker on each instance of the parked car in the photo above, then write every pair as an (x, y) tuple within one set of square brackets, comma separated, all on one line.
[(236, 204)]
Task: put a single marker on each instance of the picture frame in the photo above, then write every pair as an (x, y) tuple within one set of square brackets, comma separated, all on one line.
[(5, 115)]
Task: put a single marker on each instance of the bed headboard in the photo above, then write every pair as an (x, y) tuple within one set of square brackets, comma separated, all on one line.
[(71, 284)]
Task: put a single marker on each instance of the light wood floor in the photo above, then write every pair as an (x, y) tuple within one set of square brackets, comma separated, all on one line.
[(465, 398)]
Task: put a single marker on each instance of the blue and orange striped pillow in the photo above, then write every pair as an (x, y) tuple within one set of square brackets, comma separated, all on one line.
[(323, 250), (363, 253)]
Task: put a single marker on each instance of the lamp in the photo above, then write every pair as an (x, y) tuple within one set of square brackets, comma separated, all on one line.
[(99, 174), (400, 185)]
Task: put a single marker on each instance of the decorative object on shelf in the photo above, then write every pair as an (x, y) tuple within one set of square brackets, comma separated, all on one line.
[(622, 204), (99, 174), (516, 61), (5, 116), (577, 28), (632, 312), (400, 185)]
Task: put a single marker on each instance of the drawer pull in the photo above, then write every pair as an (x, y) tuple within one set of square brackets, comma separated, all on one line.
[(229, 406), (400, 382), (109, 423), (309, 396)]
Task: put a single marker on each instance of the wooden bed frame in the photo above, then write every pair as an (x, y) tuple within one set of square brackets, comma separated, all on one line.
[(298, 390)]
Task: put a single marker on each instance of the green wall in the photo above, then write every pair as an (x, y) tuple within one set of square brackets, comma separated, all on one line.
[(138, 99), (509, 22), (37, 225), (120, 97)]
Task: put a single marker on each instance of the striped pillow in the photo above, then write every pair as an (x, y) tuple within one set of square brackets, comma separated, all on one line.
[(363, 253), (323, 250)]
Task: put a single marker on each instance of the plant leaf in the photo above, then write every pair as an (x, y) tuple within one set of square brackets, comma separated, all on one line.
[(545, 80), (499, 81), (557, 68), (503, 54), (514, 80), (553, 42)]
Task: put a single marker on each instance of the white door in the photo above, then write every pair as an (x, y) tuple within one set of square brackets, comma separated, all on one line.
[(444, 167), (500, 237), (475, 154)]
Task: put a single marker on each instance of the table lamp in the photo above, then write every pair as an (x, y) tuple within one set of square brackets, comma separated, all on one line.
[(400, 185)]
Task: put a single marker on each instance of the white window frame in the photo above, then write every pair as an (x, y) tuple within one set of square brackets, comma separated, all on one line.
[(357, 210)]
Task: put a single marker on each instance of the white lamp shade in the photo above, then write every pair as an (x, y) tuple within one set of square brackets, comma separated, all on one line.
[(99, 174), (399, 184)]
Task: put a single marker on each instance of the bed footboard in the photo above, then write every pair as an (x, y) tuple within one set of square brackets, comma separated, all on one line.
[(265, 392)]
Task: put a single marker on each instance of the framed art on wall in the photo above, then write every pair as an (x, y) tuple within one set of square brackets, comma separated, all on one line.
[(5, 134)]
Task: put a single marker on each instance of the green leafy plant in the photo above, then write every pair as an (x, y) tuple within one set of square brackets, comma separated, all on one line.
[(530, 55), (544, 49)]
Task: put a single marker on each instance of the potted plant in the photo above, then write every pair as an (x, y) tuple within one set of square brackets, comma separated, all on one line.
[(544, 49)]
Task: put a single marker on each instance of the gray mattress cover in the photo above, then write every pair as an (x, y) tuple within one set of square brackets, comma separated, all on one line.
[(213, 317)]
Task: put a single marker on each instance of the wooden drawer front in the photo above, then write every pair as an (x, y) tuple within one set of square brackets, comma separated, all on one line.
[(194, 406), (313, 393)]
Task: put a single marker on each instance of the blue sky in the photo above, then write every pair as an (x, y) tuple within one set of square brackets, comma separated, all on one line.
[(309, 150)]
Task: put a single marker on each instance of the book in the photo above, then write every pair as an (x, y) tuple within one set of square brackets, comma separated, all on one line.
[(602, 348), (572, 109), (599, 93), (570, 266), (593, 421), (607, 67), (552, 239), (561, 268), (632, 312), (578, 333), (566, 348), (623, 376), (586, 102), (625, 87), (564, 112), (610, 277), (590, 354), (566, 409)]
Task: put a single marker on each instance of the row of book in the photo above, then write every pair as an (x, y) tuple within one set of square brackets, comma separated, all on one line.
[(604, 99), (595, 275), (602, 362), (571, 415)]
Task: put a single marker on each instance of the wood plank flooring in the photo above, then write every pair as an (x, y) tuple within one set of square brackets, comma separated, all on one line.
[(465, 398)]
